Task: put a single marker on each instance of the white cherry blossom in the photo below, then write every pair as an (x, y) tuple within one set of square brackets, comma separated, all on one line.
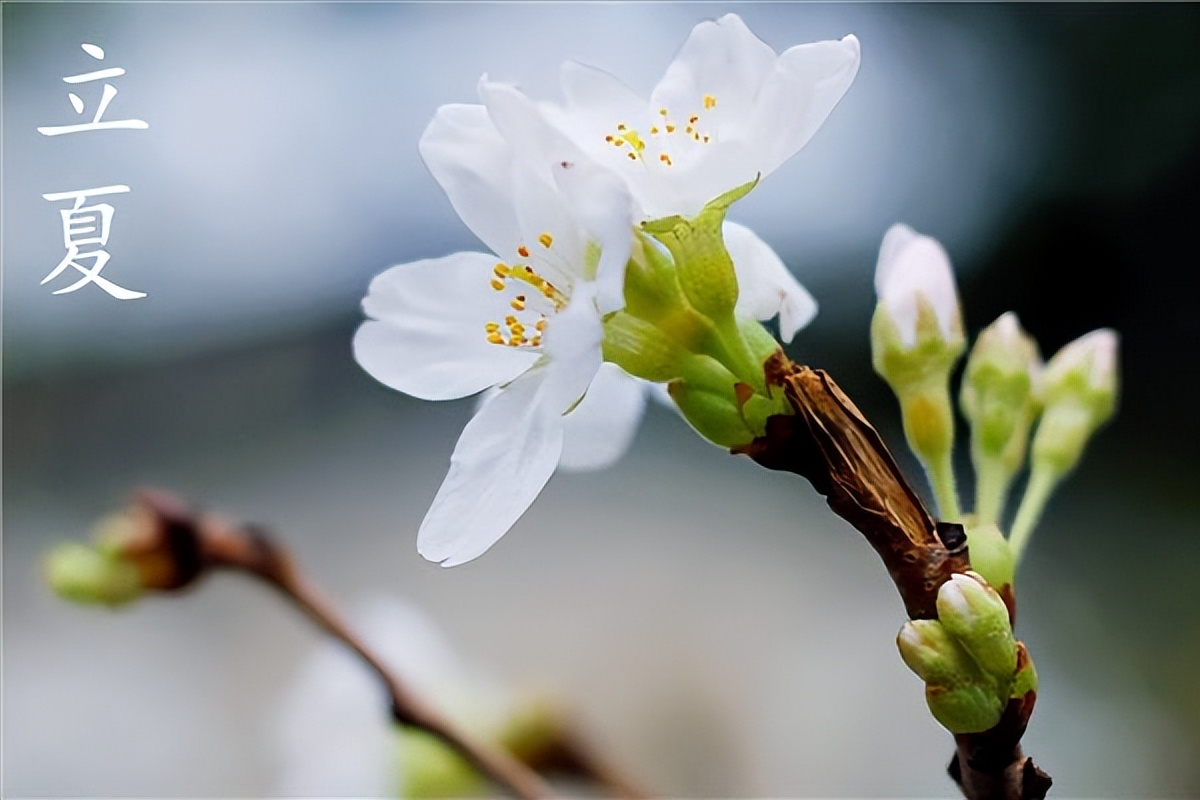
[(525, 318), (727, 110)]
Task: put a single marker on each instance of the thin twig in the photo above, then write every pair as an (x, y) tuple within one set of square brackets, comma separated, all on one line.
[(248, 549)]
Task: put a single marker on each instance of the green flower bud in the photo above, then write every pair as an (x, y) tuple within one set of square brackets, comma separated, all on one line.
[(85, 575), (930, 651), (959, 695), (431, 768), (916, 331), (1080, 396), (916, 338), (999, 399), (975, 615)]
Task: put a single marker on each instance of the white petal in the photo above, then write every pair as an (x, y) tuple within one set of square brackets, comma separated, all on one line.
[(722, 59), (472, 163), (503, 459), (572, 346), (427, 338), (521, 122), (597, 101), (601, 203), (765, 286), (797, 97), (601, 428), (910, 266)]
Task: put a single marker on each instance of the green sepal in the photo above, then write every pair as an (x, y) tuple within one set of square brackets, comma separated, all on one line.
[(965, 709), (1026, 679), (702, 264), (641, 348), (713, 411)]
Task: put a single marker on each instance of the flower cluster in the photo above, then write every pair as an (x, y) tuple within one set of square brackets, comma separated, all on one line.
[(611, 267)]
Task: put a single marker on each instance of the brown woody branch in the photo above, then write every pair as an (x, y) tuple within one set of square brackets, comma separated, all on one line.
[(829, 442)]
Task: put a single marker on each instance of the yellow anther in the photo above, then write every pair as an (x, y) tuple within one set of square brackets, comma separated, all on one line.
[(666, 159), (620, 126), (492, 327), (690, 129), (670, 129), (653, 130), (694, 119), (706, 138), (662, 112), (516, 341), (540, 325), (495, 338), (709, 101), (536, 341), (608, 138), (523, 251), (510, 320), (497, 284), (518, 303), (502, 270), (632, 156), (545, 240)]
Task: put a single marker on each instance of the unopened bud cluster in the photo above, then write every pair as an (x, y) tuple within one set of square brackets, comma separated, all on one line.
[(680, 327), (967, 657), (917, 338)]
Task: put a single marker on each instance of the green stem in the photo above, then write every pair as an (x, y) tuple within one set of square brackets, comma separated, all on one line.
[(1042, 480), (991, 487), (940, 470)]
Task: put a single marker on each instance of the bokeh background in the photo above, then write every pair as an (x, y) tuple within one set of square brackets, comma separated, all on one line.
[(714, 627)]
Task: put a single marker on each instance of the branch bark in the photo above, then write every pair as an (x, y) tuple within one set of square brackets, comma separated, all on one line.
[(829, 442)]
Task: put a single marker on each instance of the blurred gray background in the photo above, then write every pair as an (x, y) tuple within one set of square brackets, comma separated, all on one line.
[(715, 627)]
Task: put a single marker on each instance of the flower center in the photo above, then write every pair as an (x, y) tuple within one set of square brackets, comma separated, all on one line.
[(534, 299), (668, 134)]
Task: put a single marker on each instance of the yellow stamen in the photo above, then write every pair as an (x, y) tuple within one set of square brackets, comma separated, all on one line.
[(518, 303), (523, 251), (545, 240), (495, 338), (666, 159), (709, 101), (497, 284)]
